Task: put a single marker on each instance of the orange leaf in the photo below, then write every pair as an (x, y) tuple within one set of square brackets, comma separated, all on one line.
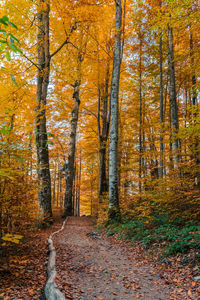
[(31, 292)]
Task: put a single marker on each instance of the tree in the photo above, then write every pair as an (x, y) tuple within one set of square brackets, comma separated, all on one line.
[(173, 100), (70, 170), (44, 179), (103, 128), (113, 150)]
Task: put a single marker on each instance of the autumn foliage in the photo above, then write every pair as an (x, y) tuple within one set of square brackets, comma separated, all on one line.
[(158, 163)]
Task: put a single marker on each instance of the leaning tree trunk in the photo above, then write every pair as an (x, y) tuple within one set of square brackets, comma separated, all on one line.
[(44, 179), (113, 150), (173, 101), (68, 205)]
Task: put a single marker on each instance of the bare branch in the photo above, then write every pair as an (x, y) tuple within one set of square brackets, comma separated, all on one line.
[(74, 27), (30, 61), (89, 111)]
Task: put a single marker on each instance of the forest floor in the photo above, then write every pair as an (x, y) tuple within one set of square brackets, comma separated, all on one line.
[(91, 265)]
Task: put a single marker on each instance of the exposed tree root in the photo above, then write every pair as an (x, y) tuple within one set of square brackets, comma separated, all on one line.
[(51, 292)]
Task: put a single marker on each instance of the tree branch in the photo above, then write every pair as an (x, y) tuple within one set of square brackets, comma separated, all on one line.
[(90, 112), (30, 61), (74, 27)]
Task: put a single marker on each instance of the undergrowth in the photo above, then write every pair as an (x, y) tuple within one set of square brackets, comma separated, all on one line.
[(172, 237)]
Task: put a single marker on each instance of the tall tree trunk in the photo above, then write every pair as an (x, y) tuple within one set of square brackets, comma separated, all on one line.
[(173, 100), (54, 186), (103, 134), (44, 59), (113, 150), (68, 205), (79, 188), (140, 130), (194, 80), (60, 190), (44, 179), (161, 169), (196, 151), (141, 115)]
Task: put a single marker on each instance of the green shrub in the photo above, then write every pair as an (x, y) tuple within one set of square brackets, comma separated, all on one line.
[(174, 237)]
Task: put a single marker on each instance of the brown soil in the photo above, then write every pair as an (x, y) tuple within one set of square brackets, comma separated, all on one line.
[(95, 267)]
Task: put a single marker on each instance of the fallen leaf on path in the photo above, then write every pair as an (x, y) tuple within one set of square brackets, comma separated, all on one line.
[(31, 292)]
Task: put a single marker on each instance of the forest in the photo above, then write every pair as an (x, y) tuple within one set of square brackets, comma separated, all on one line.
[(99, 117)]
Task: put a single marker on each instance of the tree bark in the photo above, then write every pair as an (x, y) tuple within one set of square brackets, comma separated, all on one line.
[(113, 150), (68, 205), (161, 169), (44, 179), (173, 100), (196, 151), (141, 118), (44, 59), (103, 134), (194, 80)]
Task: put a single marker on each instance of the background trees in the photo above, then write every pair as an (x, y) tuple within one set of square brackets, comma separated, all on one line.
[(158, 119)]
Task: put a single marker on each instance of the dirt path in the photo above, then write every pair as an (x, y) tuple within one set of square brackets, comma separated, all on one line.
[(92, 267)]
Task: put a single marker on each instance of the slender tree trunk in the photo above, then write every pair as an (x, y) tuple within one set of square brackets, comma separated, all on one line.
[(161, 169), (44, 179), (173, 100), (60, 190), (194, 80), (113, 150), (103, 134), (103, 184), (68, 205), (54, 186), (79, 189), (194, 103), (140, 117), (58, 186)]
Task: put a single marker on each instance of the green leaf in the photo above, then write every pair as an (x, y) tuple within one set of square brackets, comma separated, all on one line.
[(3, 22), (13, 79), (8, 56), (14, 38), (5, 19), (14, 48), (2, 46), (13, 25), (50, 134), (11, 40)]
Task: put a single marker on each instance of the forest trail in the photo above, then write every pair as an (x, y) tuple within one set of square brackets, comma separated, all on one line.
[(94, 267)]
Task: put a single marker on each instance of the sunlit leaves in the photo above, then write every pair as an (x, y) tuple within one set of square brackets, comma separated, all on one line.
[(14, 238)]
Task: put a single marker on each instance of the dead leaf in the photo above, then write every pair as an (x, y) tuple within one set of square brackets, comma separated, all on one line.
[(193, 283), (31, 292)]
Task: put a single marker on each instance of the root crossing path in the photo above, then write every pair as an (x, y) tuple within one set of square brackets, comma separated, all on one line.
[(92, 266)]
